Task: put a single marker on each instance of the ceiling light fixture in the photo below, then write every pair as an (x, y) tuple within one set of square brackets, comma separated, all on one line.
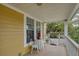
[(39, 4)]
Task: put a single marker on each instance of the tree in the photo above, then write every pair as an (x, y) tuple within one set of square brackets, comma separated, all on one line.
[(73, 32), (54, 29)]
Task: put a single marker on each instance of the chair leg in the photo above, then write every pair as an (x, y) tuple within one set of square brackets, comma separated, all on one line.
[(31, 50)]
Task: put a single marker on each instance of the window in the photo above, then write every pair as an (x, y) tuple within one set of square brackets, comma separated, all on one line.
[(30, 30)]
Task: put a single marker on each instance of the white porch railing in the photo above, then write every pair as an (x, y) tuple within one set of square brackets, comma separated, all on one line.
[(71, 46)]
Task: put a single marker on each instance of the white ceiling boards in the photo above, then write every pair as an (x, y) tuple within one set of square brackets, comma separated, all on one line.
[(49, 12)]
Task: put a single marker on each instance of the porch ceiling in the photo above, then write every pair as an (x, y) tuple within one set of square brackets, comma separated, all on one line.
[(49, 12)]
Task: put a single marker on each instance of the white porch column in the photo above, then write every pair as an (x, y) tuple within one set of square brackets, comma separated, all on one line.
[(41, 25), (35, 30), (65, 28), (45, 29)]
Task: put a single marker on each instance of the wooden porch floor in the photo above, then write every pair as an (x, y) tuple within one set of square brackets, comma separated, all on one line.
[(51, 50)]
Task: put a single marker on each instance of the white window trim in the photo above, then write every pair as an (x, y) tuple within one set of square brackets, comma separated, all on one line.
[(25, 36)]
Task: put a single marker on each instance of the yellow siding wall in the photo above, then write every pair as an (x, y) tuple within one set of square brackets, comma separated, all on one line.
[(11, 31)]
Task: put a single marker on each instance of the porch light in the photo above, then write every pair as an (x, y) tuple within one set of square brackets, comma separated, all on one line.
[(39, 4)]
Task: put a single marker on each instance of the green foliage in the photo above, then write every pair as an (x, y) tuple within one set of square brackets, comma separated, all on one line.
[(54, 29), (73, 32)]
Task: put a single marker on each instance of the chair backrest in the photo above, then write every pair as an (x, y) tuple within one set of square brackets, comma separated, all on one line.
[(39, 44)]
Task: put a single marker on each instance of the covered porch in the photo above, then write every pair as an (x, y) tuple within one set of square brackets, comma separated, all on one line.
[(36, 17)]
